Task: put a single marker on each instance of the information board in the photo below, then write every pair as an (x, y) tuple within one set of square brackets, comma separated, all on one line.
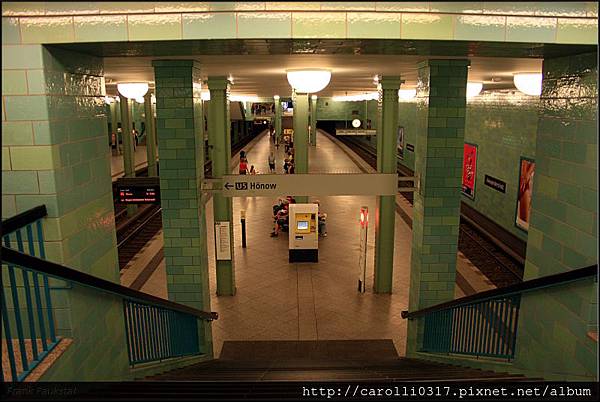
[(222, 241), (138, 190)]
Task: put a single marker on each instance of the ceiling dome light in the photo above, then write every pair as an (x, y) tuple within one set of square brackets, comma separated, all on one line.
[(314, 97), (474, 88), (205, 96), (406, 94), (133, 90), (276, 97), (529, 83), (308, 81)]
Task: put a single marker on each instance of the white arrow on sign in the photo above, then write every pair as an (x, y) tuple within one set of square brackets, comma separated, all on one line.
[(265, 185)]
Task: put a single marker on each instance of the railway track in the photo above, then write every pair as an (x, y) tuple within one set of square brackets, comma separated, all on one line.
[(501, 268), (134, 232)]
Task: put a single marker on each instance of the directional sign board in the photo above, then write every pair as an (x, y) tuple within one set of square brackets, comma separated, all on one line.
[(267, 185)]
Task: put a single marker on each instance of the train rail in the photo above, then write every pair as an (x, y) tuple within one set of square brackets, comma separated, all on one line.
[(487, 253)]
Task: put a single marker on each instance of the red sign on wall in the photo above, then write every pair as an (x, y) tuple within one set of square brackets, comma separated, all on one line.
[(469, 170)]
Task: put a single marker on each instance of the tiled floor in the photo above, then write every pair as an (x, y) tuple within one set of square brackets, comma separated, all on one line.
[(276, 300)]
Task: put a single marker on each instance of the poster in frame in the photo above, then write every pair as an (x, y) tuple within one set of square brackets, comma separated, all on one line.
[(469, 171), (400, 143), (525, 193)]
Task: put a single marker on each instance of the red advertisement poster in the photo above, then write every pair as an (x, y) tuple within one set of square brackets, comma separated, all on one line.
[(469, 170), (526, 171)]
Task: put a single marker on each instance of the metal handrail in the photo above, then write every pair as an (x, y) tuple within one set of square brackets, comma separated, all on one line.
[(58, 271), (519, 288), (23, 219)]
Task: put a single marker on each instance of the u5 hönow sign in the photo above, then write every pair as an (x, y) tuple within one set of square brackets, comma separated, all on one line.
[(264, 185)]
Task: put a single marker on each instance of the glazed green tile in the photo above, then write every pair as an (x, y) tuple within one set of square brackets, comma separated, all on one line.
[(236, 6), (412, 6), (22, 57), (209, 26), (348, 6), (293, 6), (475, 7), (10, 31), (509, 7), (9, 206), (23, 8), (125, 7), (154, 27), (374, 25), (25, 108), (577, 30), (530, 29), (14, 82), (36, 82), (17, 133), (47, 30), (181, 7), (479, 27), (101, 28), (264, 25), (50, 132), (71, 8), (34, 157), (318, 25), (6, 158), (427, 26), (20, 182), (561, 9)]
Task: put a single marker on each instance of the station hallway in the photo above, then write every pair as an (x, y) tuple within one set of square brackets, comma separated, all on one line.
[(467, 130)]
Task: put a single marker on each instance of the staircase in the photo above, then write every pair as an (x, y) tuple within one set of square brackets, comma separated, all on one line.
[(264, 370)]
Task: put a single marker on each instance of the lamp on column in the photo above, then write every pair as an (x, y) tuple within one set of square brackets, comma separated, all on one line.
[(133, 90), (474, 88), (308, 81)]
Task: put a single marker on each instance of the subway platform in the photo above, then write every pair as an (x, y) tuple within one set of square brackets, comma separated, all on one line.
[(278, 300)]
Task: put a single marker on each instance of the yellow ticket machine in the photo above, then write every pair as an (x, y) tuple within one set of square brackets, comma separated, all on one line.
[(304, 233)]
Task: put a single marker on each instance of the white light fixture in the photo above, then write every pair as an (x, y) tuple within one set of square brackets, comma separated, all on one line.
[(276, 97), (406, 94), (108, 100), (474, 88), (153, 99), (356, 123), (140, 99), (314, 97), (308, 81), (528, 83), (205, 96), (132, 90)]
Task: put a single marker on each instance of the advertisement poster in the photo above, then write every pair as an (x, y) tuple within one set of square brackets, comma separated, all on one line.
[(469, 170), (526, 170), (400, 142)]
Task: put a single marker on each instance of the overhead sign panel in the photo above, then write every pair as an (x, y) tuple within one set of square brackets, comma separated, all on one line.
[(355, 132), (266, 185)]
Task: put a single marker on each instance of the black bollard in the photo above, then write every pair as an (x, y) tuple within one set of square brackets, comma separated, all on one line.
[(243, 221)]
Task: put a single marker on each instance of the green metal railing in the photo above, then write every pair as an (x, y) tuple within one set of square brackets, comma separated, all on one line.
[(27, 320), (484, 324), (155, 328)]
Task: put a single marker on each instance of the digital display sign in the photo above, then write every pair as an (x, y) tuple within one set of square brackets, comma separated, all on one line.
[(138, 190)]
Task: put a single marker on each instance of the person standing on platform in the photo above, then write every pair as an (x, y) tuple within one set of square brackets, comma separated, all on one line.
[(252, 170), (272, 162), (243, 166)]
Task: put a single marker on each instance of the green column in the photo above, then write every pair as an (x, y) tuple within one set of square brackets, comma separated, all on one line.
[(278, 130), (385, 215), (150, 135), (113, 120), (441, 105), (180, 130), (220, 151), (128, 151), (313, 120), (301, 136)]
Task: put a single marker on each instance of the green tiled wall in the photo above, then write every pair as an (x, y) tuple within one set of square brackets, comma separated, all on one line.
[(563, 232), (441, 104), (48, 22), (180, 130), (328, 109)]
